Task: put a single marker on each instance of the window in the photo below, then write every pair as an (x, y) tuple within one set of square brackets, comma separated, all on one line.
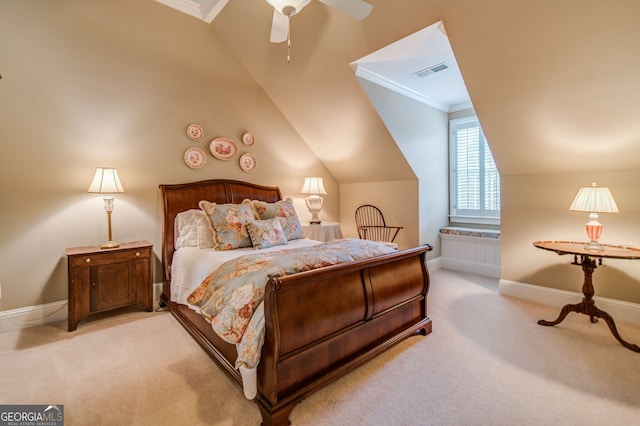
[(475, 181)]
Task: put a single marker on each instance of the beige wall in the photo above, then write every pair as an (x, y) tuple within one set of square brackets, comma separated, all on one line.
[(85, 85), (116, 82), (398, 201), (536, 207)]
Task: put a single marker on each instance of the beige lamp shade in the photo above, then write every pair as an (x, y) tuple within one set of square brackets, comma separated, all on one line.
[(313, 185), (594, 199), (106, 181)]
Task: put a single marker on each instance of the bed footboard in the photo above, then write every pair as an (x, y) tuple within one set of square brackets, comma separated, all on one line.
[(321, 324)]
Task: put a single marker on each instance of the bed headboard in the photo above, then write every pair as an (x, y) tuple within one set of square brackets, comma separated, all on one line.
[(180, 197)]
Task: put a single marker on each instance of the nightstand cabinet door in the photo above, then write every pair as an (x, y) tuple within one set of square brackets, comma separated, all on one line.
[(112, 286), (100, 280)]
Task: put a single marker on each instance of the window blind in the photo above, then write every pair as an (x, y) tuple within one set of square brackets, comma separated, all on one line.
[(475, 180)]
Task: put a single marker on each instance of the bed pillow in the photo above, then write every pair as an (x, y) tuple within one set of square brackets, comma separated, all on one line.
[(192, 229), (229, 223), (283, 209), (266, 233)]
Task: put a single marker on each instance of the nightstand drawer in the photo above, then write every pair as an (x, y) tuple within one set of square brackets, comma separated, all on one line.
[(107, 257)]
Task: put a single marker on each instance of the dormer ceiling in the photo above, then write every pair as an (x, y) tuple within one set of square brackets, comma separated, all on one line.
[(534, 73), (401, 66), (421, 66)]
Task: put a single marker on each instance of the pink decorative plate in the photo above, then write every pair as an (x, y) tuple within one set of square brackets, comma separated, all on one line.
[(195, 132), (248, 162), (195, 157), (248, 139), (223, 148)]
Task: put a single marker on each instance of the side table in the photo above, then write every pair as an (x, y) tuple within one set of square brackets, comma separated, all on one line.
[(104, 279), (324, 231), (589, 261)]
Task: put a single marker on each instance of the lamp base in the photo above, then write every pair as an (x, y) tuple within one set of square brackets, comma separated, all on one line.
[(594, 246), (314, 204), (594, 230), (109, 245)]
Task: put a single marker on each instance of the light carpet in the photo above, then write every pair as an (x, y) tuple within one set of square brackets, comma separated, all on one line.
[(487, 362)]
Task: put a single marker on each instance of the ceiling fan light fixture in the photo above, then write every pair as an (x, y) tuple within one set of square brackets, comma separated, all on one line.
[(288, 11), (288, 7)]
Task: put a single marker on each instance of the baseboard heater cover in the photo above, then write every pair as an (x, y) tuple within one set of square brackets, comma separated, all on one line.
[(475, 251)]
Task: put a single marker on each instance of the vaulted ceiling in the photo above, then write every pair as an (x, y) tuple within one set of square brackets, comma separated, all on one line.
[(554, 83)]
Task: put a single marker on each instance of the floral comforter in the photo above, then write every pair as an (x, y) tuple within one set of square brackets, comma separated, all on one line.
[(231, 297)]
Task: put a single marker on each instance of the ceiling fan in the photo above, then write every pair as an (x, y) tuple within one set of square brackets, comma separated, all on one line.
[(207, 10), (285, 9)]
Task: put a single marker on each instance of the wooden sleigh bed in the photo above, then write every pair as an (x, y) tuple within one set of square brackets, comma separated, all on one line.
[(319, 324)]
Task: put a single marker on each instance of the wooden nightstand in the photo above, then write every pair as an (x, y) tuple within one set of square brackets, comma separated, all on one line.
[(104, 279)]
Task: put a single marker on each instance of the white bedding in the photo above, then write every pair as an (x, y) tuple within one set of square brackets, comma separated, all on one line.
[(191, 265)]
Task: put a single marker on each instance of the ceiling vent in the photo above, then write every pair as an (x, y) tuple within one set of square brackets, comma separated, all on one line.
[(432, 69)]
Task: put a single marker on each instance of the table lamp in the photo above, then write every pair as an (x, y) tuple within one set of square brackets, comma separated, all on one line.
[(313, 186), (106, 181), (594, 199)]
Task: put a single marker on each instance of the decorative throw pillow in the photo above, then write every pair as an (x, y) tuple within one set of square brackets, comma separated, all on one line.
[(266, 233), (229, 223), (283, 209), (192, 229)]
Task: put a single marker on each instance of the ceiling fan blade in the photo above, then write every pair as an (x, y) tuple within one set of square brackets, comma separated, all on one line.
[(357, 9), (279, 27)]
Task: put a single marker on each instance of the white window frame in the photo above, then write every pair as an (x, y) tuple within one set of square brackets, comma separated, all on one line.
[(469, 216)]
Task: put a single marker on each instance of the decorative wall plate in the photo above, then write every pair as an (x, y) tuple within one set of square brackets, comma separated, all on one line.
[(223, 148), (248, 139), (248, 162), (195, 157), (195, 132)]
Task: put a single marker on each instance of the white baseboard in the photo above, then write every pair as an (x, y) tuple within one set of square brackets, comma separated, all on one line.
[(31, 316), (434, 264), (157, 291), (471, 267), (618, 309)]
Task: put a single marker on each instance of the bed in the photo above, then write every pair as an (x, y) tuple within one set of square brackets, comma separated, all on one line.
[(374, 303)]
